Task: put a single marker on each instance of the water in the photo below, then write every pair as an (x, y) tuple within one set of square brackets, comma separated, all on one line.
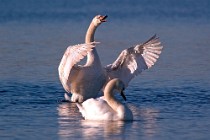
[(169, 101)]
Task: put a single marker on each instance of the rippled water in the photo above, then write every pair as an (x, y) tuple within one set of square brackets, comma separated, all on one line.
[(169, 101)]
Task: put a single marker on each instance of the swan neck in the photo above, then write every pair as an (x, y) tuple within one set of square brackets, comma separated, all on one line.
[(90, 33), (109, 96), (92, 57)]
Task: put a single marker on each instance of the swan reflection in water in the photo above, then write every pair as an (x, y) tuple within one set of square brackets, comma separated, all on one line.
[(72, 125)]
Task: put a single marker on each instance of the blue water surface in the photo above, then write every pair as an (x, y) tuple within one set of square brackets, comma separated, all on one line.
[(169, 101)]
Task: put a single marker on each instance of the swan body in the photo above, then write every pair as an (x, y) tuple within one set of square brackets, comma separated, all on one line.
[(83, 81), (86, 81), (107, 107)]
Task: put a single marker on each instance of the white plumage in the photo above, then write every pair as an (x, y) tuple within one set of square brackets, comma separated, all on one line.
[(86, 81), (134, 60), (107, 107), (72, 56)]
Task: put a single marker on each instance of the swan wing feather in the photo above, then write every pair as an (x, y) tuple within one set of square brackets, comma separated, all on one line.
[(72, 56), (134, 60)]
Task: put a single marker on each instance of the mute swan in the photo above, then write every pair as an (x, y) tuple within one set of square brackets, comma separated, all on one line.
[(83, 81), (107, 107), (86, 81)]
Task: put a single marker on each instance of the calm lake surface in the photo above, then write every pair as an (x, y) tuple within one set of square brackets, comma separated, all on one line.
[(169, 101)]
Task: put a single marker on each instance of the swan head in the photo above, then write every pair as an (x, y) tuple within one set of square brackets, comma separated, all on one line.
[(97, 20), (120, 86)]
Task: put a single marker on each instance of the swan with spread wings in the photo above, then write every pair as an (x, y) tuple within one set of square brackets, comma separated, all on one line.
[(86, 81)]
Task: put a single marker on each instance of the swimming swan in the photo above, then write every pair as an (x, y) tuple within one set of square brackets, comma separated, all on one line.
[(107, 107), (86, 81)]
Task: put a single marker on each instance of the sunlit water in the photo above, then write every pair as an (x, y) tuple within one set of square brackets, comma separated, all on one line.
[(169, 101)]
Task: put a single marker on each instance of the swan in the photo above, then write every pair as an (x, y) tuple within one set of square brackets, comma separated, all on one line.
[(107, 107), (83, 81), (86, 81)]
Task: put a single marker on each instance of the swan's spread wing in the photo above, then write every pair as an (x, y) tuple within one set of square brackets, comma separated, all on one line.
[(133, 60), (72, 56)]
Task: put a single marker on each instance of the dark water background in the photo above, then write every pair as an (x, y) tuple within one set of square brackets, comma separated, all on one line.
[(169, 101)]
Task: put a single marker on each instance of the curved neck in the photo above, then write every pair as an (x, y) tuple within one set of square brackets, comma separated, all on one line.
[(109, 96), (93, 55), (90, 33)]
